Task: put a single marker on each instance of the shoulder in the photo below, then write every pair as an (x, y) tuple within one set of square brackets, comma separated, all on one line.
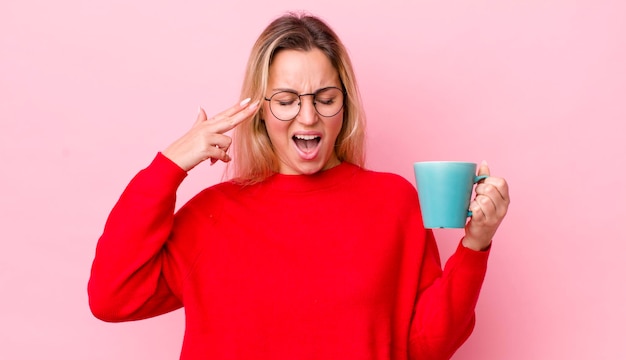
[(389, 182), (393, 196), (224, 190), (211, 199), (388, 187)]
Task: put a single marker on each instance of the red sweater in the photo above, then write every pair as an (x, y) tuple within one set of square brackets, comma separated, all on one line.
[(335, 265)]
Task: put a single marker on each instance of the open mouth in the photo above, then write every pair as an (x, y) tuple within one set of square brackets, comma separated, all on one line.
[(306, 143)]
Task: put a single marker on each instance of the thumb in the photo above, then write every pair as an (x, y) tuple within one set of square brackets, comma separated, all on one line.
[(201, 115), (483, 169)]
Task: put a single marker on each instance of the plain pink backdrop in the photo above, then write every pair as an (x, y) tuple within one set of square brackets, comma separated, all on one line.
[(91, 90)]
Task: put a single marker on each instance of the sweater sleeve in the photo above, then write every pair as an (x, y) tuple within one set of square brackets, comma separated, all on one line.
[(444, 312), (132, 273)]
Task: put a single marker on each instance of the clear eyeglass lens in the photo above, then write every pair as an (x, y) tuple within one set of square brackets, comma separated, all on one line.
[(285, 105)]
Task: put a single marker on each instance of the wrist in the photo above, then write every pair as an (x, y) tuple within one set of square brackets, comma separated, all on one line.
[(475, 244), (172, 156)]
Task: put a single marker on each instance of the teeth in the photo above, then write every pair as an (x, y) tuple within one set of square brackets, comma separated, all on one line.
[(306, 137)]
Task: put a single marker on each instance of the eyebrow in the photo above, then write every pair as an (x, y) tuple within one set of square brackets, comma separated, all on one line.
[(283, 89), (294, 91)]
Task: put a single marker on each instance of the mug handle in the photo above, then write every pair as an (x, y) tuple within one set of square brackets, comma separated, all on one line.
[(476, 179)]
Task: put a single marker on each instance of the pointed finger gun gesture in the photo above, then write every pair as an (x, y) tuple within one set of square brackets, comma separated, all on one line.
[(206, 139)]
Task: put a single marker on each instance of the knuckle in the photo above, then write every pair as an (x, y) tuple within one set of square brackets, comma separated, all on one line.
[(492, 191), (500, 183)]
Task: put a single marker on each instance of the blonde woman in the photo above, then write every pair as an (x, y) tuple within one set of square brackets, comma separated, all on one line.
[(303, 253)]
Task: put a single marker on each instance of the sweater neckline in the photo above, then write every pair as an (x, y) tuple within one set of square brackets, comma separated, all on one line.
[(320, 180)]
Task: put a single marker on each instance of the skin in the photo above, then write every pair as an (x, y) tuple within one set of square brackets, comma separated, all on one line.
[(306, 72), (488, 210), (206, 140), (303, 72)]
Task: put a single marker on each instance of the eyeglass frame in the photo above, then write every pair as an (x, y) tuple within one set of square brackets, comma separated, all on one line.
[(314, 94)]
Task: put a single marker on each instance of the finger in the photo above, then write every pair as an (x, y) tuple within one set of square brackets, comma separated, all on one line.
[(201, 115), (218, 147), (490, 191), (477, 214), (225, 124), (484, 211), (232, 110), (498, 184), (219, 141), (483, 169), (214, 160), (220, 155), (488, 207)]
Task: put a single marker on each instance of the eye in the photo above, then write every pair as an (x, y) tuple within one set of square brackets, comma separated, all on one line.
[(325, 101), (328, 96), (284, 99), (285, 102)]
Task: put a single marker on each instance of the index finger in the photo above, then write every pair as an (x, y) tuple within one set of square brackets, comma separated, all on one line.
[(500, 185), (233, 116)]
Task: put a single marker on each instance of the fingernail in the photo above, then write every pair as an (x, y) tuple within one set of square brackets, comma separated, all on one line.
[(244, 101), (485, 163), (254, 105)]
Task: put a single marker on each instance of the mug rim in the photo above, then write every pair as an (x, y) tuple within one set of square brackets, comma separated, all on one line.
[(444, 162)]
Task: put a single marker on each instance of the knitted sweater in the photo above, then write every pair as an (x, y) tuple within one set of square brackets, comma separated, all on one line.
[(335, 265)]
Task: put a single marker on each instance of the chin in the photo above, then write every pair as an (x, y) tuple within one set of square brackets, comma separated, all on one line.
[(301, 167), (310, 169), (295, 164)]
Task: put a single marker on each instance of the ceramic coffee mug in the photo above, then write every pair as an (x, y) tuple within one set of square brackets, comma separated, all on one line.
[(444, 189)]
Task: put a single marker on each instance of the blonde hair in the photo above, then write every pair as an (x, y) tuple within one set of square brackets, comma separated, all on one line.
[(254, 158)]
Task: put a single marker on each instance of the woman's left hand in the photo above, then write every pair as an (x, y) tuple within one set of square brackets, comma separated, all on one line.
[(488, 210)]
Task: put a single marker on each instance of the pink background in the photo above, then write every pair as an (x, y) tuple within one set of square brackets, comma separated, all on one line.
[(91, 90)]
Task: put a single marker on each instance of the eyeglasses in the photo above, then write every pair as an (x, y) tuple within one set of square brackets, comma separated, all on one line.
[(285, 105)]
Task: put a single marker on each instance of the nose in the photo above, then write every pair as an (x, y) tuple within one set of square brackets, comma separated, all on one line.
[(307, 114)]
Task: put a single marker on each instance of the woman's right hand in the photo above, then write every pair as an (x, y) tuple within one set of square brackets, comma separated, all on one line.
[(206, 139)]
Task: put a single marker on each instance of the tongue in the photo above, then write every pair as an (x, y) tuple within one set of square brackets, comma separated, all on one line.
[(306, 145)]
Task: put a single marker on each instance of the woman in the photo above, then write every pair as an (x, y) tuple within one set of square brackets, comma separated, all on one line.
[(303, 254)]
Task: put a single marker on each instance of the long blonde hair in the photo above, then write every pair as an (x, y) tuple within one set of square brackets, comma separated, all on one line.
[(254, 158)]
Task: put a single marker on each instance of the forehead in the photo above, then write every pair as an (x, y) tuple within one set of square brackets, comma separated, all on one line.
[(302, 71)]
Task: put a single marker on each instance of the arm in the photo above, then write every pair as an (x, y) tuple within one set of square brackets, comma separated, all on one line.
[(141, 256), (127, 277), (444, 312)]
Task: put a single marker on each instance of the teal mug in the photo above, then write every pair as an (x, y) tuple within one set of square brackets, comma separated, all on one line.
[(445, 189)]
